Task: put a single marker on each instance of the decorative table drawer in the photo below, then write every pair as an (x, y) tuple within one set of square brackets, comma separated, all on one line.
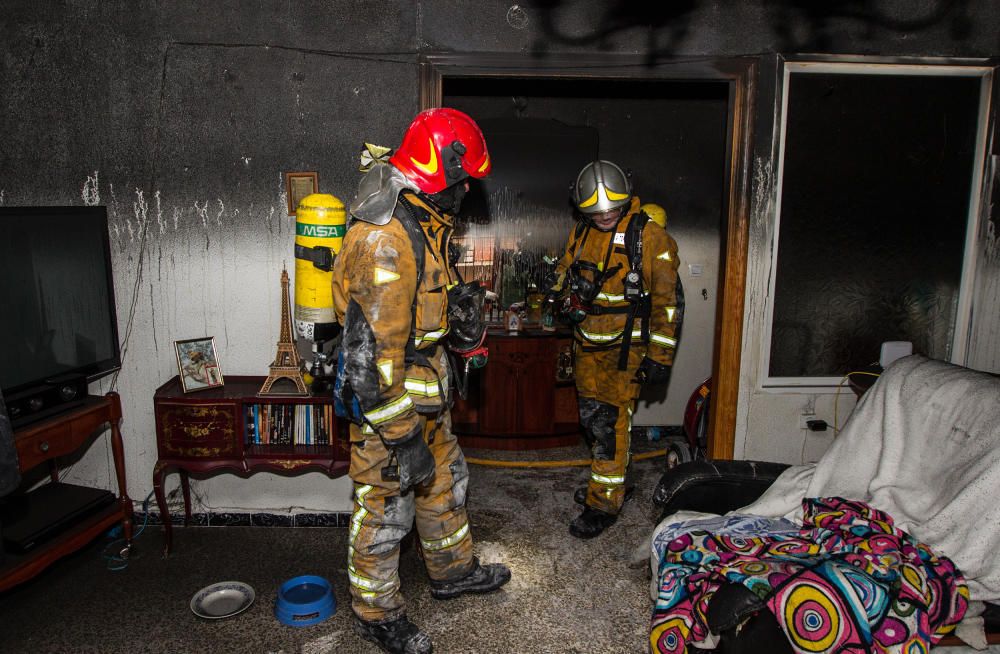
[(197, 430)]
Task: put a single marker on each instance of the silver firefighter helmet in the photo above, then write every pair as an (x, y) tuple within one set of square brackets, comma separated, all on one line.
[(601, 186)]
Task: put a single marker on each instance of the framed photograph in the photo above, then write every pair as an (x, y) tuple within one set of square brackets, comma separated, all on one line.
[(298, 186), (198, 364)]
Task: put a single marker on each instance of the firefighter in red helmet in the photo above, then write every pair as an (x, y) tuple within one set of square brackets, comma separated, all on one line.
[(626, 303), (404, 309)]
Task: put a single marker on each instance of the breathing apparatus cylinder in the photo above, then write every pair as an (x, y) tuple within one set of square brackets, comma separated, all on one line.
[(656, 213), (320, 223)]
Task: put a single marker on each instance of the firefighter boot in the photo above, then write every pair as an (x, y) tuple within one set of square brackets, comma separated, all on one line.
[(483, 579), (591, 522), (399, 636), (580, 495)]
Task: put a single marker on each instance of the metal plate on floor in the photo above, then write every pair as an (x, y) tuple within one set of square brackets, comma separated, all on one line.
[(222, 600)]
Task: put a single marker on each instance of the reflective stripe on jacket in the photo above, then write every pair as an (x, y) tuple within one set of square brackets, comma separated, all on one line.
[(660, 262), (374, 285)]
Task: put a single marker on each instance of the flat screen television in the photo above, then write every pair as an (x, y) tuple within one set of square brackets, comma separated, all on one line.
[(58, 324)]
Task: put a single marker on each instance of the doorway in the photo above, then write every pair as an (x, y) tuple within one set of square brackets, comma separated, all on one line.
[(682, 129)]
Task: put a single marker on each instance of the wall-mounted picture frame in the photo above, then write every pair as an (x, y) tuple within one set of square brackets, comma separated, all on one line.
[(198, 364), (297, 186)]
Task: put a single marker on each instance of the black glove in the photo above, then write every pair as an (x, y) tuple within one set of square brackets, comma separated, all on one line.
[(413, 458), (651, 372)]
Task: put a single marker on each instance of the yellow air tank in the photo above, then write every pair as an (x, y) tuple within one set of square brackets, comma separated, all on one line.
[(320, 223), (656, 213)]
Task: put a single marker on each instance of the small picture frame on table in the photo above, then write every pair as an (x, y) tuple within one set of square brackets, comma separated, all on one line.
[(198, 364), (298, 186)]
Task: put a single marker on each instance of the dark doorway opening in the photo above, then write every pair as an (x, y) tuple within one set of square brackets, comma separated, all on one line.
[(671, 135), (738, 76)]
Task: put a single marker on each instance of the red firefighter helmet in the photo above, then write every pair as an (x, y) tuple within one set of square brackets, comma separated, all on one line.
[(441, 148)]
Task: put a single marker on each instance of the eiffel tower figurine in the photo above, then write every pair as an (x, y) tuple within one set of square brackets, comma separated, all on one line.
[(286, 361)]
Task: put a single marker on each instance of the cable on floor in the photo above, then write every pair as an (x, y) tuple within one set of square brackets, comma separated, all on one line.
[(116, 562)]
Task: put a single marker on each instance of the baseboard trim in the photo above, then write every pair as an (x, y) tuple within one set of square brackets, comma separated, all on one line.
[(227, 519)]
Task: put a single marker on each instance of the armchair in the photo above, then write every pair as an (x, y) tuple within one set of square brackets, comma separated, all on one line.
[(917, 464)]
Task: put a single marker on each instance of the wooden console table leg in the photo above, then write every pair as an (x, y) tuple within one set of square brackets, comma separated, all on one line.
[(186, 489), (161, 502), (118, 451)]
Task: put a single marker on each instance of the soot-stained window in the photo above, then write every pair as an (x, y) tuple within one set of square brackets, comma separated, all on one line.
[(876, 181)]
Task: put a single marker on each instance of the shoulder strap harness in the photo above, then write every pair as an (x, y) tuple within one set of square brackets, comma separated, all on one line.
[(642, 307), (408, 219)]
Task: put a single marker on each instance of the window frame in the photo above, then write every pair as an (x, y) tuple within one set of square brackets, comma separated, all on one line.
[(963, 313)]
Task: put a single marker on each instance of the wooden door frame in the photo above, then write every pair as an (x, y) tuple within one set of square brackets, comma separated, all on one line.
[(741, 73)]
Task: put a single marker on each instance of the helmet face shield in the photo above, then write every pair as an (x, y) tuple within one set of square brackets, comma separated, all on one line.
[(450, 199), (601, 186), (441, 148)]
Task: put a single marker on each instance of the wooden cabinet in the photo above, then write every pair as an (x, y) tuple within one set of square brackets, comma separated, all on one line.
[(517, 402), (44, 442), (520, 387), (231, 429)]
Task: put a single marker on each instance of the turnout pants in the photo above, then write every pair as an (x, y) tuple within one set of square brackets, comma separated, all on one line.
[(606, 398), (382, 517)]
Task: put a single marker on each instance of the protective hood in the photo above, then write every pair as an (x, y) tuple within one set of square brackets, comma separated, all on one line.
[(377, 193)]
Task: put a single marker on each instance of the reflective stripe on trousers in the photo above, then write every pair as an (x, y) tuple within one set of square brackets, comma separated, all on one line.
[(598, 378), (382, 518)]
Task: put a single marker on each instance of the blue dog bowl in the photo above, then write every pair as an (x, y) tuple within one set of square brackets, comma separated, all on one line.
[(304, 600)]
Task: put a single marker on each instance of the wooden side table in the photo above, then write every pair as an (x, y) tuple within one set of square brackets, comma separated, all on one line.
[(61, 435), (209, 431)]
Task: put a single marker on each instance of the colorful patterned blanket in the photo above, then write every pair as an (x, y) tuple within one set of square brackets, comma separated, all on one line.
[(847, 580)]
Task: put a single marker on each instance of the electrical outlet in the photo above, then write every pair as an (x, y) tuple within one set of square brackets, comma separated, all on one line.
[(804, 418)]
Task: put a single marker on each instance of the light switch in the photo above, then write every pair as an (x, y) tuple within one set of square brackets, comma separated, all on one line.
[(695, 269)]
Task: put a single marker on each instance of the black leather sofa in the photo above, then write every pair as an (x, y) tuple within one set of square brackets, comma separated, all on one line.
[(713, 486)]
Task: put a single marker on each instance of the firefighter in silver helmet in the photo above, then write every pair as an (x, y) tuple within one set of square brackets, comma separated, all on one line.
[(403, 306), (619, 271)]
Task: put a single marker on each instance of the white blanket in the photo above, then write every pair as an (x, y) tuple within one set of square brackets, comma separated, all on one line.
[(923, 445)]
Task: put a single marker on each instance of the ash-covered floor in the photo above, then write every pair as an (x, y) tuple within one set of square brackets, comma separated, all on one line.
[(566, 595)]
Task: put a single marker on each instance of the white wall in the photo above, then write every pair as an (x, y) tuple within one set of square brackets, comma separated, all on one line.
[(984, 341), (210, 269), (774, 431), (693, 362)]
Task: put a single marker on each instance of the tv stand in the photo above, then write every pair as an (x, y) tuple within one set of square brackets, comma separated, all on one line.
[(62, 435)]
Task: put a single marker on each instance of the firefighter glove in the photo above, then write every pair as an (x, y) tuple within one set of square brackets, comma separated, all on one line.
[(651, 372), (414, 458)]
